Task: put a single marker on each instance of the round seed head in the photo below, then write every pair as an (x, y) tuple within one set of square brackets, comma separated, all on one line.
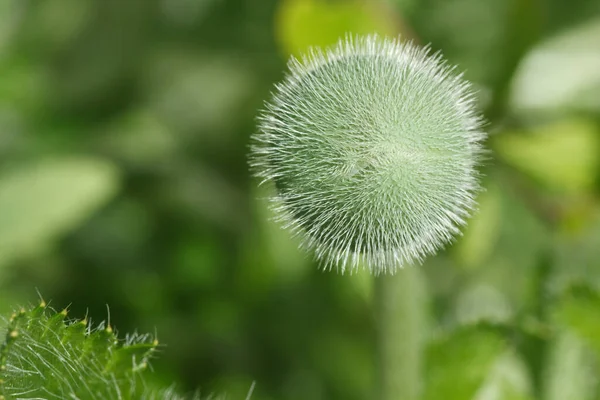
[(372, 147)]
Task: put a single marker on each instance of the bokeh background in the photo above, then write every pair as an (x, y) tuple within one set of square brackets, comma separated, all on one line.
[(124, 129)]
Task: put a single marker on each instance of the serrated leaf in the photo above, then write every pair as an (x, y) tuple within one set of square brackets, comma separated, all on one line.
[(561, 73), (43, 201), (562, 156), (42, 356)]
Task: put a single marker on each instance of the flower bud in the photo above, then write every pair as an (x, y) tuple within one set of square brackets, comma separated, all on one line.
[(372, 147)]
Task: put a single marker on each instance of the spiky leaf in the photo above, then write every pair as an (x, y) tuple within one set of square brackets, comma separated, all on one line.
[(46, 356)]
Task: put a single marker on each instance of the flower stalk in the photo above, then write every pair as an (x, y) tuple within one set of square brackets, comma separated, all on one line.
[(400, 303)]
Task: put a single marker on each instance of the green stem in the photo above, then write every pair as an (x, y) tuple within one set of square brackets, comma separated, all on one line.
[(401, 317)]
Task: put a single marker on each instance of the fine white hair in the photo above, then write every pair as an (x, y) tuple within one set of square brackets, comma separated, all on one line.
[(373, 147)]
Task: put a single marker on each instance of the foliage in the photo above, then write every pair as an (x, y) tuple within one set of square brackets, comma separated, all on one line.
[(44, 355)]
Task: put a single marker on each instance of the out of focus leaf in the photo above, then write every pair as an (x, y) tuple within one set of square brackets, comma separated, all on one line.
[(470, 32), (185, 12), (459, 365), (579, 311), (482, 232), (200, 192), (505, 277), (9, 17), (52, 24), (11, 133), (507, 380), (43, 201), (361, 283), (91, 72), (140, 139), (562, 14), (197, 96), (570, 372), (281, 247), (561, 73), (270, 254), (23, 86), (482, 303), (406, 7), (301, 24), (562, 155), (576, 251), (342, 359)]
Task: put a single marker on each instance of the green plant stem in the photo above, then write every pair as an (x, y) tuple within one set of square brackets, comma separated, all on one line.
[(401, 316)]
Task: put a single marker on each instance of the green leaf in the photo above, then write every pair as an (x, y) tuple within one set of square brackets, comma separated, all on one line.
[(23, 85), (482, 232), (170, 81), (43, 201), (459, 365), (140, 126), (44, 356), (561, 73), (576, 249), (54, 24), (471, 33), (579, 311), (562, 156), (9, 13), (507, 380), (302, 24), (569, 370), (481, 302)]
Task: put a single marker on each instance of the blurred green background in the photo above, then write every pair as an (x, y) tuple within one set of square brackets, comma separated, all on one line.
[(124, 129)]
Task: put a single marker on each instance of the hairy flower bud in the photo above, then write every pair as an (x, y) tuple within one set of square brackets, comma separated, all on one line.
[(372, 146)]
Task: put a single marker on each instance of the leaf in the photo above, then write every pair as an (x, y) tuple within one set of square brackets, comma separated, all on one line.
[(9, 19), (140, 126), (458, 365), (561, 73), (579, 311), (171, 80), (44, 356), (502, 284), (186, 12), (576, 250), (471, 33), (482, 303), (43, 201), (507, 380), (482, 231), (562, 156), (301, 24), (569, 370), (23, 86), (55, 24)]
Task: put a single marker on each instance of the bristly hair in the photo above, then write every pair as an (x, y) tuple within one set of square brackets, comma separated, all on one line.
[(372, 147)]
